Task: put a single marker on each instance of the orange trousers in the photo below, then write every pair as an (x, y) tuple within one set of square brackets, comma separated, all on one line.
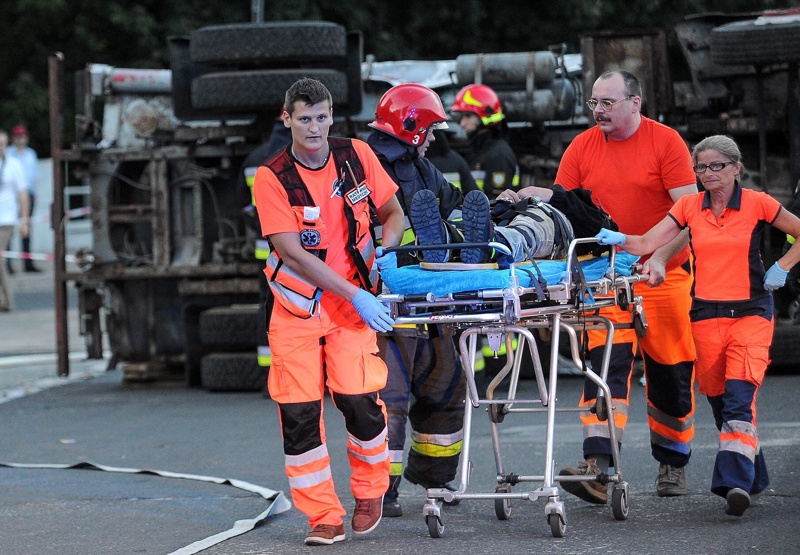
[(668, 352), (339, 350)]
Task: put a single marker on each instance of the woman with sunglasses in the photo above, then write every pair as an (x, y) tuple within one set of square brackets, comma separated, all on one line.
[(732, 308)]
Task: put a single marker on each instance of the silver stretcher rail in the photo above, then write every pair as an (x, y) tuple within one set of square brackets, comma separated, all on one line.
[(513, 311)]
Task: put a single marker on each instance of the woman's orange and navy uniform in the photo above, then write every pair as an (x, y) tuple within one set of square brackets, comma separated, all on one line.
[(732, 324), (332, 348)]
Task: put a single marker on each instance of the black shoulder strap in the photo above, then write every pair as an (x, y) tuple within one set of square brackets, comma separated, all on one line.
[(282, 165), (351, 175)]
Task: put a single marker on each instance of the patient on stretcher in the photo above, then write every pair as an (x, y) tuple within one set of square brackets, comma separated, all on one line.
[(530, 228)]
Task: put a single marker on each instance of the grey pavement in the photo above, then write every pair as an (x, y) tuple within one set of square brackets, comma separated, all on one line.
[(169, 428)]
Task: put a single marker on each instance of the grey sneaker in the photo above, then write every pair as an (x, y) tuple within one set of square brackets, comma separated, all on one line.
[(588, 490), (738, 501), (671, 481)]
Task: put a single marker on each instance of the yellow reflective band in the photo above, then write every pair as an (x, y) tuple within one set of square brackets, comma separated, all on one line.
[(494, 118), (396, 469), (408, 237), (264, 356), (431, 450), (262, 249), (250, 179)]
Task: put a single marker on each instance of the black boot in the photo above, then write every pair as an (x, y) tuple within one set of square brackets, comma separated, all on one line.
[(391, 506)]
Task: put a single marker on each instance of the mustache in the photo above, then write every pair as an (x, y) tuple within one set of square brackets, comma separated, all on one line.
[(598, 119)]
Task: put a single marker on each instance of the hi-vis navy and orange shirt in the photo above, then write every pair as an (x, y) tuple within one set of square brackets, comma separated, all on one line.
[(727, 258)]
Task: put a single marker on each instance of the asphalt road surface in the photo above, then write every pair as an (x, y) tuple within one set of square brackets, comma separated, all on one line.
[(168, 428)]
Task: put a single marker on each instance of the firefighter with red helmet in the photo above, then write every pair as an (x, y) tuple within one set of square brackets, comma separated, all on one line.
[(422, 363), (478, 110)]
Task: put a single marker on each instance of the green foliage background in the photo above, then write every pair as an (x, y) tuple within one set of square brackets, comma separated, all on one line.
[(123, 33)]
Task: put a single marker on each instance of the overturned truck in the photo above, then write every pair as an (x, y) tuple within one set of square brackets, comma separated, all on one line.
[(171, 279)]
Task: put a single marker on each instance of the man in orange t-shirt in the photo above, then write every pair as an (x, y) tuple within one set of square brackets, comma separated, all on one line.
[(636, 169), (315, 198)]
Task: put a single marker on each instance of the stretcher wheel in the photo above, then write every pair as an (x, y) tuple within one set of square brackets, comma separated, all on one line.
[(622, 300), (600, 408), (557, 526), (435, 526), (639, 325), (496, 413), (619, 504), (502, 507)]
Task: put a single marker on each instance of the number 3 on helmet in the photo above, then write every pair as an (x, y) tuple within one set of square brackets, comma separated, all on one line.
[(408, 112)]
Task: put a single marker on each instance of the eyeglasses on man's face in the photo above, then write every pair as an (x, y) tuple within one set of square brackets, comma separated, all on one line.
[(607, 105), (713, 166)]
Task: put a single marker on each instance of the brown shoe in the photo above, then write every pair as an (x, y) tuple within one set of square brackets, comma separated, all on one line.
[(671, 481), (325, 534), (588, 490), (367, 515)]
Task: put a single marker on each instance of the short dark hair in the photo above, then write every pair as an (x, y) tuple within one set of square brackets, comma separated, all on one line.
[(632, 85), (309, 91)]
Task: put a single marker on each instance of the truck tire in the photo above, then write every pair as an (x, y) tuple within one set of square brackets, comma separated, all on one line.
[(262, 44), (744, 42), (784, 352), (260, 90), (232, 327), (232, 372)]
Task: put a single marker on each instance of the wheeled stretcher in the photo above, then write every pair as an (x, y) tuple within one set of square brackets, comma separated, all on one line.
[(504, 305)]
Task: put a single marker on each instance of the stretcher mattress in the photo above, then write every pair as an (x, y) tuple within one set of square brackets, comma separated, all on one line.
[(413, 280)]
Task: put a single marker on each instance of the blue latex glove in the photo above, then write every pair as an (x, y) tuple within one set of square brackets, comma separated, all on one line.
[(375, 314), (386, 261), (608, 237), (775, 277)]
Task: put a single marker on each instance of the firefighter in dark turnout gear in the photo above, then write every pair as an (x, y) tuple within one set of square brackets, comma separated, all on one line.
[(422, 363), (493, 164)]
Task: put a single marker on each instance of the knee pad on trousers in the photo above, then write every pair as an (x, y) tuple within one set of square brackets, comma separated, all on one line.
[(300, 424), (363, 415)]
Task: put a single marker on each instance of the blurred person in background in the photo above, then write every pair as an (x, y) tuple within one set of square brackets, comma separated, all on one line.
[(14, 211), (29, 161)]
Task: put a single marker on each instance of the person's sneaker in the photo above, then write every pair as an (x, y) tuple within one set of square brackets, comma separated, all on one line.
[(477, 226), (367, 515), (391, 507), (325, 534), (588, 490), (428, 226), (738, 501), (671, 481)]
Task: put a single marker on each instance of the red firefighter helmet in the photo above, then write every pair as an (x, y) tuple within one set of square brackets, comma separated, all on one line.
[(408, 112), (480, 100)]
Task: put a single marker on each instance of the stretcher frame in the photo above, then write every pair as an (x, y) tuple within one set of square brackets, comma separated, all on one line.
[(515, 310)]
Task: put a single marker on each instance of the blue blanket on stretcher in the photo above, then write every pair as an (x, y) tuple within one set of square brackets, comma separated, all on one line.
[(413, 280)]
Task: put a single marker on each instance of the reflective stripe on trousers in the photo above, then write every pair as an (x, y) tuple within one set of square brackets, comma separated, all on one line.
[(668, 352)]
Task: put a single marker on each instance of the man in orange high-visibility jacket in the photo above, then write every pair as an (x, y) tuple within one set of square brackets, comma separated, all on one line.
[(637, 169), (314, 201)]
